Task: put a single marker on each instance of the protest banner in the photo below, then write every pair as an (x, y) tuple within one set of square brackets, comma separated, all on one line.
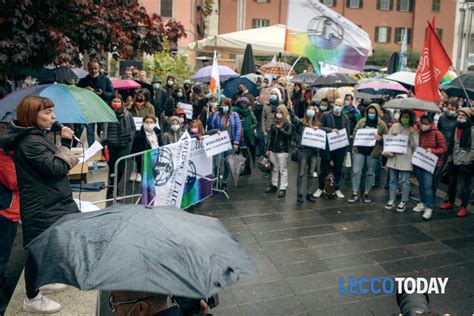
[(187, 108), (138, 122), (423, 159), (365, 137), (217, 143), (315, 138), (338, 140), (395, 144)]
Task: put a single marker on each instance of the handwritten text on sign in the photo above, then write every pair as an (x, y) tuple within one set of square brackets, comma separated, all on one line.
[(395, 144), (138, 122), (424, 159), (365, 137), (314, 138), (187, 108), (338, 140), (216, 144)]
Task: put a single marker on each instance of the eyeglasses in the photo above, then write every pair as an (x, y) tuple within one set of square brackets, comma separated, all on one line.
[(114, 305)]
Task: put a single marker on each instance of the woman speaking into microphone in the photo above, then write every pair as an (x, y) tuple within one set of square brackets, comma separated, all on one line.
[(45, 193)]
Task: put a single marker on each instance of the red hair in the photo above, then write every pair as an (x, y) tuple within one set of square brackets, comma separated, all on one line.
[(28, 109)]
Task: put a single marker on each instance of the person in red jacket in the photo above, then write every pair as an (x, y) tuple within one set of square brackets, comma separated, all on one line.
[(433, 142), (9, 209)]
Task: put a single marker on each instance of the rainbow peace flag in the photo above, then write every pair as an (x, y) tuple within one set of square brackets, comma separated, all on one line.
[(215, 84)]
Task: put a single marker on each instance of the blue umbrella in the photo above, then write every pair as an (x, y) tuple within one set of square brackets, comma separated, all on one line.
[(204, 74), (231, 87), (71, 104)]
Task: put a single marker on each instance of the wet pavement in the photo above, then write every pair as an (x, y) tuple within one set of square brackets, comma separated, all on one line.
[(302, 250)]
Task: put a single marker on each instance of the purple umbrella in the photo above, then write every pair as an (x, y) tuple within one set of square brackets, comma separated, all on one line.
[(204, 74), (381, 86)]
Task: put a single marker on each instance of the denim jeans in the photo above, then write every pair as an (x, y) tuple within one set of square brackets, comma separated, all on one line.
[(358, 163), (378, 169), (280, 169), (90, 132), (307, 160), (337, 157), (425, 186), (402, 178)]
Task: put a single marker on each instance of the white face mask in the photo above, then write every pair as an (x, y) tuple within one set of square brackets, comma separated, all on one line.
[(424, 127), (174, 128), (181, 120), (170, 82), (396, 116), (149, 127), (179, 94), (279, 116), (156, 86)]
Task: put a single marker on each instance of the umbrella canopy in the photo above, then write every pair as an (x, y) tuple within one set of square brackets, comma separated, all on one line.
[(252, 77), (370, 68), (57, 74), (334, 80), (248, 65), (454, 88), (71, 104), (236, 164), (204, 74), (367, 96), (403, 77), (305, 77), (381, 86), (277, 68), (80, 73), (124, 84), (231, 87), (412, 104), (132, 248)]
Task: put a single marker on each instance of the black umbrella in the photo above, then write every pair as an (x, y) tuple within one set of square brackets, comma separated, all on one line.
[(305, 77), (146, 85), (393, 63), (334, 80), (132, 248), (455, 88), (57, 74), (248, 65), (371, 68), (231, 86)]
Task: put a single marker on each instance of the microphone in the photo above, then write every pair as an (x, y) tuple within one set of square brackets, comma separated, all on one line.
[(58, 126)]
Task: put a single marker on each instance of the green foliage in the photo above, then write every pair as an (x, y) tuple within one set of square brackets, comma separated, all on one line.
[(381, 58)]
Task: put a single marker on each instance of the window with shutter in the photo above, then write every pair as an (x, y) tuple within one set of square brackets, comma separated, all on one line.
[(436, 5), (329, 3), (166, 8), (382, 34), (384, 5), (257, 23), (354, 4)]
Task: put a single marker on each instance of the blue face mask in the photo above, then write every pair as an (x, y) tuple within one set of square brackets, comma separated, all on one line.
[(323, 107), (310, 113), (337, 109), (371, 116), (225, 109)]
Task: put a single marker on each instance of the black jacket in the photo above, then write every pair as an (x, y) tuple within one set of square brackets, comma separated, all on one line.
[(101, 82), (159, 101), (42, 169), (328, 124), (141, 143), (447, 125), (279, 138), (120, 135)]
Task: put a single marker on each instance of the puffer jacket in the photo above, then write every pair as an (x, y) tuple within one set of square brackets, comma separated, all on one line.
[(403, 161), (9, 194), (120, 135), (434, 140), (42, 169)]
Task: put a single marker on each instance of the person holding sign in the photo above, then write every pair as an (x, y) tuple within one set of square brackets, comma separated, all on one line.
[(307, 156), (333, 121), (461, 161), (433, 142), (400, 165), (367, 156), (277, 149)]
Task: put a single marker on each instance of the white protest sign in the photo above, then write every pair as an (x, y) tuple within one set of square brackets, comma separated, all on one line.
[(314, 138), (138, 122), (395, 144), (217, 143), (425, 160), (365, 137), (338, 140), (187, 108)]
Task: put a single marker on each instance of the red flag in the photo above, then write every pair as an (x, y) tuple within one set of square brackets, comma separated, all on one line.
[(434, 63)]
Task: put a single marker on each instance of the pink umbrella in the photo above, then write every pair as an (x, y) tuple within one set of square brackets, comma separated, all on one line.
[(381, 86), (124, 84)]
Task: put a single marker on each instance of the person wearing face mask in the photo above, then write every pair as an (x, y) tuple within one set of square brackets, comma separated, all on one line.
[(148, 137), (333, 121), (365, 156), (433, 142), (100, 85), (447, 123), (42, 174), (227, 120), (160, 96), (117, 137), (297, 101), (177, 96), (213, 110), (249, 125), (188, 91), (323, 107), (170, 85), (269, 109), (400, 166), (307, 156), (141, 107), (351, 111), (277, 149), (461, 162), (174, 132)]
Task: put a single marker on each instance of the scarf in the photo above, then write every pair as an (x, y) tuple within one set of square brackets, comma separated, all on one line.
[(465, 141), (246, 115)]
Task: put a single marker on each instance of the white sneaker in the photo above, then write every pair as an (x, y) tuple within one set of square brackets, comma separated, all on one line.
[(427, 214), (41, 304), (420, 207), (318, 193), (52, 288), (138, 177), (339, 194)]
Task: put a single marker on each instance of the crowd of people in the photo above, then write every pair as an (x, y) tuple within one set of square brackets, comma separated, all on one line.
[(266, 129)]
